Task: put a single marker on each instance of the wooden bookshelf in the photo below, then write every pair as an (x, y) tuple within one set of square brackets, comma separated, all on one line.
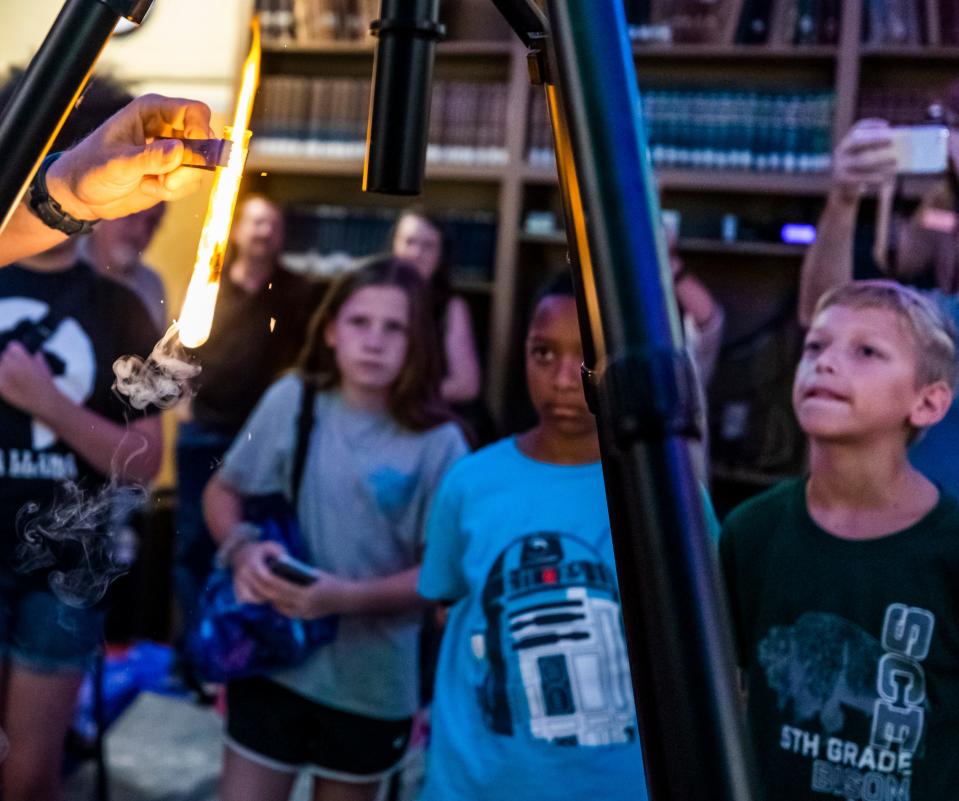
[(691, 245), (450, 49), (739, 181), (319, 167), (736, 53), (948, 55), (757, 273)]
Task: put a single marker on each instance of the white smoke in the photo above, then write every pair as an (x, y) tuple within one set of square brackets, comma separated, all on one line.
[(82, 538), (161, 379)]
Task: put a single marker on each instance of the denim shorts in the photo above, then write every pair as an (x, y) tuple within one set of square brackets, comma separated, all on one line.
[(41, 633)]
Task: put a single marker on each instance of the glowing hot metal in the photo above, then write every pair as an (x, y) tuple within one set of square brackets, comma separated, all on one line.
[(197, 315)]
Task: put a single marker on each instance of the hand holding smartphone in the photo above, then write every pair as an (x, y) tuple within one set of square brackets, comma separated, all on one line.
[(293, 570), (920, 149)]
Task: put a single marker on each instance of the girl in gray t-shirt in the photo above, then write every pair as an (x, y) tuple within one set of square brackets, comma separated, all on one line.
[(380, 444)]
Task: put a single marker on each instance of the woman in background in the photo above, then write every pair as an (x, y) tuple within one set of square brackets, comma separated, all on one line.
[(423, 241)]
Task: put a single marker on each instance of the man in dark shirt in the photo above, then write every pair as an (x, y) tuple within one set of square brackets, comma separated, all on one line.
[(258, 327)]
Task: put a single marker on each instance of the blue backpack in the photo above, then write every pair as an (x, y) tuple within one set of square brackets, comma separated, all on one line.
[(233, 640)]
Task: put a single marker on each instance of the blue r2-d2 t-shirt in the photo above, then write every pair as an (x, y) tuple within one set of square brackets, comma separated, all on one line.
[(533, 697)]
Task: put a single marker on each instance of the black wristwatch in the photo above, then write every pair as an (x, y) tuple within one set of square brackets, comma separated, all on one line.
[(48, 210)]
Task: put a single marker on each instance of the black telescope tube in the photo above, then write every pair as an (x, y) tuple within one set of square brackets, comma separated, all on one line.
[(674, 612), (50, 87), (399, 121)]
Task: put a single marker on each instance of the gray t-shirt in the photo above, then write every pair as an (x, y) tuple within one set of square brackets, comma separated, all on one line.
[(367, 486)]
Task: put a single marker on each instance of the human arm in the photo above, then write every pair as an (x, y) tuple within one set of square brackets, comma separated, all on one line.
[(862, 159), (256, 583), (462, 381), (131, 454), (919, 237), (387, 594), (335, 595), (120, 168), (932, 226), (703, 317)]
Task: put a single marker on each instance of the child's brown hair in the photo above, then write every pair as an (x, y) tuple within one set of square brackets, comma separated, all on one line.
[(414, 399), (933, 333)]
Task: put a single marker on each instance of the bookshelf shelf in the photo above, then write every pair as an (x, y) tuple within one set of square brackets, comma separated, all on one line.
[(789, 53), (554, 240), (331, 48), (695, 245), (465, 286), (924, 54), (766, 183), (773, 249), (319, 167), (456, 48)]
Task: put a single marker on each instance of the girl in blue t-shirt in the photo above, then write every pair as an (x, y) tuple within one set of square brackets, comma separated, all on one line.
[(379, 445), (533, 696)]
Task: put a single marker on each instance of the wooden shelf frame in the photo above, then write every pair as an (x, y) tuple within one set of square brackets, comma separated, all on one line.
[(462, 48), (511, 184)]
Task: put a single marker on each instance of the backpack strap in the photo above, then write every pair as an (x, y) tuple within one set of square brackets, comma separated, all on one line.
[(304, 427)]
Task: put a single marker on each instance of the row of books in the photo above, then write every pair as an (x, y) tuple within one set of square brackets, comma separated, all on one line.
[(686, 21), (762, 131), (327, 117), (899, 105), (539, 139), (326, 240), (949, 21), (711, 129), (894, 22), (318, 21), (802, 22)]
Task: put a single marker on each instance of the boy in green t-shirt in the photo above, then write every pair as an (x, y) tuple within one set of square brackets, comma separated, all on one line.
[(844, 586)]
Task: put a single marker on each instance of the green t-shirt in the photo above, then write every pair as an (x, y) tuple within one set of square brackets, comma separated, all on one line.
[(850, 651)]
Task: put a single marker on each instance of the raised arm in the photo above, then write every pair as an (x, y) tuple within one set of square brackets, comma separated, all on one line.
[(862, 159), (120, 168), (130, 455), (932, 227), (462, 381)]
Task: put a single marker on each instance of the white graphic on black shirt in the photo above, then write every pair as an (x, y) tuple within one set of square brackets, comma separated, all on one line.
[(554, 651), (853, 705), (69, 353)]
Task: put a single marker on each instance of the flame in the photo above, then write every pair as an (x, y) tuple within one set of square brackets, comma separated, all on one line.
[(196, 317)]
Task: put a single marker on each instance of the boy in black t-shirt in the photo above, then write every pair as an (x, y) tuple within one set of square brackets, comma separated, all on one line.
[(844, 586)]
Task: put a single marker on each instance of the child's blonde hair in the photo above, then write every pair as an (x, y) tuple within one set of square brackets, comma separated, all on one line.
[(933, 332)]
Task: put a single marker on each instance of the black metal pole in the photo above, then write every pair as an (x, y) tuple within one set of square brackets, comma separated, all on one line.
[(50, 87), (396, 139), (674, 614)]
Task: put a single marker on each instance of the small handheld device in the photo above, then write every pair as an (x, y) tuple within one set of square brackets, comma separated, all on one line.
[(205, 154), (293, 570), (921, 149)]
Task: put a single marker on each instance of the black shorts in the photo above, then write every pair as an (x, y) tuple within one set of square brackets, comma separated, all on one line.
[(273, 726)]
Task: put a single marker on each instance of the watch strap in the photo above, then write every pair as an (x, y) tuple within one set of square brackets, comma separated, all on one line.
[(48, 210)]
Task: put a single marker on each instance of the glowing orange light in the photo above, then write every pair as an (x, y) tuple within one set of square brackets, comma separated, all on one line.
[(197, 314)]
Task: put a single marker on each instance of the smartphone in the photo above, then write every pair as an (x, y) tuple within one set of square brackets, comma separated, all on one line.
[(921, 149), (293, 570)]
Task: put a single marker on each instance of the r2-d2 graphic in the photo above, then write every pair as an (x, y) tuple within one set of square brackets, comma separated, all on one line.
[(554, 646)]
